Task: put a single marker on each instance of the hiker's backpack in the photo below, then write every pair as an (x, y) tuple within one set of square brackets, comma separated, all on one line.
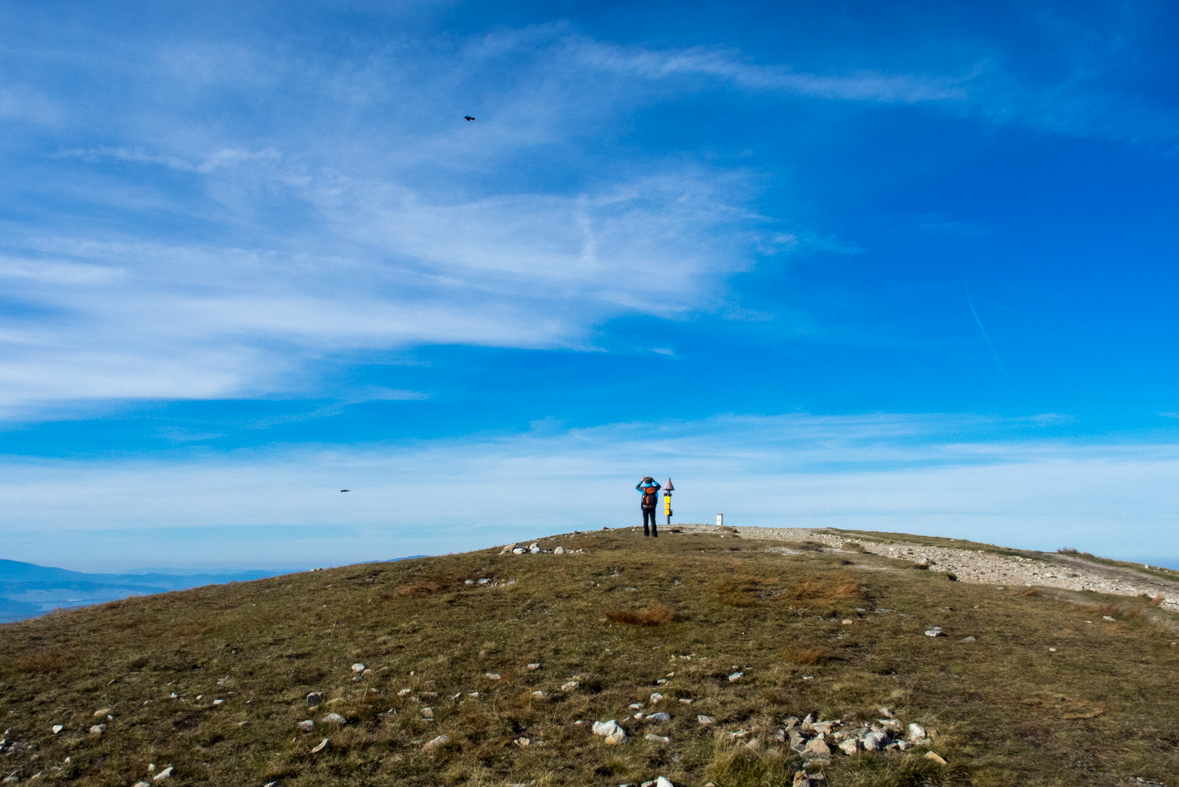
[(650, 497)]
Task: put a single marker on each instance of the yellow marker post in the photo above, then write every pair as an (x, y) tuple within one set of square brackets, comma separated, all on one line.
[(667, 500)]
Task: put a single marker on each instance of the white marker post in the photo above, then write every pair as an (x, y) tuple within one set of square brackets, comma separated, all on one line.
[(720, 520)]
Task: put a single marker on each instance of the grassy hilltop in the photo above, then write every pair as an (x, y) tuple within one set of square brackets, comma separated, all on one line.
[(214, 681)]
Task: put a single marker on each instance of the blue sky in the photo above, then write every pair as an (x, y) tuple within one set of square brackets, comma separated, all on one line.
[(889, 266)]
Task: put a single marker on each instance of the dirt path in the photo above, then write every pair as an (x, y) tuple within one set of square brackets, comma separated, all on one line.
[(981, 567)]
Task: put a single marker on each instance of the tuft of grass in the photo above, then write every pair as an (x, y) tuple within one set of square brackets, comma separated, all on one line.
[(740, 764), (651, 616), (820, 590)]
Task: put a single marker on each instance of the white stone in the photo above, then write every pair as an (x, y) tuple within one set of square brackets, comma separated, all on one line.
[(559, 551), (57, 728), (98, 729), (875, 741), (850, 746), (658, 738), (736, 676), (441, 740), (936, 631), (608, 729), (916, 732), (164, 774), (401, 693), (323, 745), (663, 781), (334, 718), (427, 713), (659, 717), (570, 686), (704, 720), (493, 676), (358, 667), (655, 697), (315, 698), (218, 702), (307, 725)]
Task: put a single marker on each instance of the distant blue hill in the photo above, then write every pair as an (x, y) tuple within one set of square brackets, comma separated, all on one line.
[(28, 590)]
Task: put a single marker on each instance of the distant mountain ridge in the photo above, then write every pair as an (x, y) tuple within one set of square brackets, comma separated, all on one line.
[(28, 590)]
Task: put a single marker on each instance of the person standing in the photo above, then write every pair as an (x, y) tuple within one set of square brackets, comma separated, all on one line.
[(649, 489)]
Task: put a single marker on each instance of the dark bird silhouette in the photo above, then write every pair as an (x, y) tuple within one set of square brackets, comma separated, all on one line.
[(345, 490), (468, 118)]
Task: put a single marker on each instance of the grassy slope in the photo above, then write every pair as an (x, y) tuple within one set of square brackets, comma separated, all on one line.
[(1006, 710)]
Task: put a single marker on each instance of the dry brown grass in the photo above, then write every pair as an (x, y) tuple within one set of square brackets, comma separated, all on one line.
[(418, 589), (37, 663), (805, 656), (1030, 592), (826, 589), (1101, 704), (651, 616)]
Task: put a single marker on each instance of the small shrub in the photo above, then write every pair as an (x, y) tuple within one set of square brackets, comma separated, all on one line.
[(418, 589), (804, 656), (651, 616), (1030, 592), (1067, 551)]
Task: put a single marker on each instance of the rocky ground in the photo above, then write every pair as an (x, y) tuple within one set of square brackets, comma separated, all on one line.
[(982, 567)]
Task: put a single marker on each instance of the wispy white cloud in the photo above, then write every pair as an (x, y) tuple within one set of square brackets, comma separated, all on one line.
[(729, 65), (924, 474)]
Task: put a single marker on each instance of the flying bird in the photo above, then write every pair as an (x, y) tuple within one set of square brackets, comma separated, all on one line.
[(468, 118), (345, 490)]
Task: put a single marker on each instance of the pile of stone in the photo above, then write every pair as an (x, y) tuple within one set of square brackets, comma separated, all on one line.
[(534, 549), (9, 746), (819, 740)]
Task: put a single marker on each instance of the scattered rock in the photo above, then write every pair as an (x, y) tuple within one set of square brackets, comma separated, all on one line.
[(98, 729), (441, 740), (538, 695), (655, 697), (428, 713), (57, 728), (610, 730), (659, 717), (559, 551), (102, 712), (931, 756), (315, 698), (534, 667), (322, 746), (850, 746), (164, 774), (334, 718), (663, 781), (936, 631), (358, 667), (916, 732), (493, 676), (875, 741), (307, 725), (657, 738), (736, 676), (218, 702), (1107, 617), (705, 720), (817, 747), (570, 686), (969, 639)]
